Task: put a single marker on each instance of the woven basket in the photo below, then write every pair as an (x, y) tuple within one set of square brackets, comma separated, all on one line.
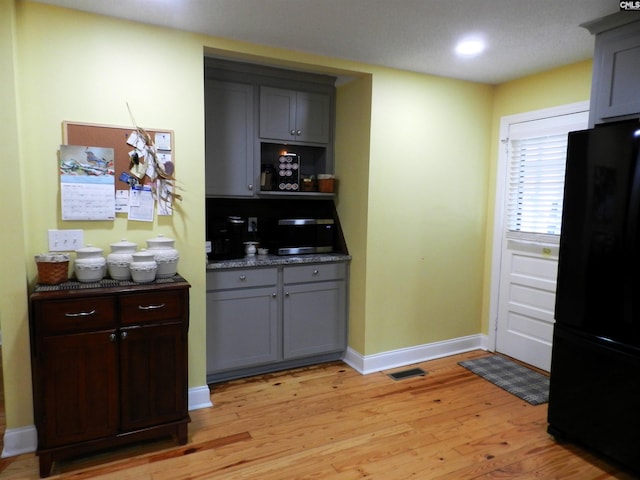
[(52, 268)]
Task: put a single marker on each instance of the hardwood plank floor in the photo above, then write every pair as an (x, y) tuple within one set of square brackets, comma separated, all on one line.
[(330, 422)]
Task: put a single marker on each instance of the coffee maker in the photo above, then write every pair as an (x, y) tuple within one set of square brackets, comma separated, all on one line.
[(226, 236)]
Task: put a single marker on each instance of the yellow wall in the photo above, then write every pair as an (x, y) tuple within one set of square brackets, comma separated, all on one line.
[(13, 303), (413, 154), (428, 169)]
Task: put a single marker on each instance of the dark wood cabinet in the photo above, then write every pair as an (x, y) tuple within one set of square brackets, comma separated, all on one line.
[(109, 366)]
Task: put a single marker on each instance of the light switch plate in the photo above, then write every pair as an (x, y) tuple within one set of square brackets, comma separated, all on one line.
[(65, 240)]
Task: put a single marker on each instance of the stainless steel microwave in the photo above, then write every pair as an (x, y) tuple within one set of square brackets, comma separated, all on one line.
[(298, 236)]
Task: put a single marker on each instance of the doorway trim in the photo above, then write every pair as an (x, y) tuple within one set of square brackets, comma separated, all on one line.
[(500, 198)]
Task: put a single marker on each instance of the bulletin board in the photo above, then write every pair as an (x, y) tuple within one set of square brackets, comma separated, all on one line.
[(110, 137)]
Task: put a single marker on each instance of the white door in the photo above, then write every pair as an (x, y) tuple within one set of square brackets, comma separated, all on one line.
[(527, 230)]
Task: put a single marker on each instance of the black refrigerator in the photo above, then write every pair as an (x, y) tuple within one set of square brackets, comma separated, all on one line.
[(594, 396)]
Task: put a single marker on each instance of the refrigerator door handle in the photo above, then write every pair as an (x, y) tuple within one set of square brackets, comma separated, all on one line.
[(631, 243)]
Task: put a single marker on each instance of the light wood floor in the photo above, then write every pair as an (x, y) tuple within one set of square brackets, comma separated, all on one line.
[(329, 422)]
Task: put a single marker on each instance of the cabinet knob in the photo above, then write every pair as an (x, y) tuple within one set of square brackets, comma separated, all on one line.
[(112, 337), (315, 272), (243, 278), (250, 186), (123, 335), (286, 294), (292, 132), (274, 295), (299, 132)]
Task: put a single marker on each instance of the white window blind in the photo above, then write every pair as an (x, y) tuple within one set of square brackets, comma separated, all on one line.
[(536, 183), (537, 156)]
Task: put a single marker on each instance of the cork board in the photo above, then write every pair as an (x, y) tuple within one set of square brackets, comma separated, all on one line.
[(108, 136)]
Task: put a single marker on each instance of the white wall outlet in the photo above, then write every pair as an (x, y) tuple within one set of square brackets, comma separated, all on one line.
[(65, 240)]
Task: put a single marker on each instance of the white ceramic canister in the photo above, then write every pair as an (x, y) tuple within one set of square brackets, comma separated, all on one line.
[(90, 265), (165, 254), (120, 258), (143, 266)]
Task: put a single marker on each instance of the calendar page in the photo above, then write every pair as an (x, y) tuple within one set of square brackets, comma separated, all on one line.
[(87, 183)]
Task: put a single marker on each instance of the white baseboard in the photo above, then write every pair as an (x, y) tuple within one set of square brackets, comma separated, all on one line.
[(408, 356), (199, 397), (25, 439), (19, 440)]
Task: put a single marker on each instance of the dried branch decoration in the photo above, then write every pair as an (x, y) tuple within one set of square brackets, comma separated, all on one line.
[(164, 185)]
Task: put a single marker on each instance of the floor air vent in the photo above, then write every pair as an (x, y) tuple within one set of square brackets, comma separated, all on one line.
[(412, 372)]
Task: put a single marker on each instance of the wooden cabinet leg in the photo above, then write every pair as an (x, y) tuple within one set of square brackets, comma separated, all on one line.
[(46, 461), (182, 434)]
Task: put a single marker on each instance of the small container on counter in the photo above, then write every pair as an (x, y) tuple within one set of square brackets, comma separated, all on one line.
[(166, 256), (90, 265), (143, 266), (326, 183), (120, 258), (53, 268)]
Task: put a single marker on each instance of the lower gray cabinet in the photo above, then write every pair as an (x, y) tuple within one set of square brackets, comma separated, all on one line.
[(314, 310), (265, 319), (243, 325)]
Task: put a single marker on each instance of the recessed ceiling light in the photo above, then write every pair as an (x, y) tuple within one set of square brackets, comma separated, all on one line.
[(470, 47)]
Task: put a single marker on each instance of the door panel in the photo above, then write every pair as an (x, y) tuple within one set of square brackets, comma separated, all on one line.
[(527, 297)]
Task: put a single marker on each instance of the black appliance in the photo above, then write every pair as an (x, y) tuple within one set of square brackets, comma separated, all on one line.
[(594, 396), (226, 236), (296, 236)]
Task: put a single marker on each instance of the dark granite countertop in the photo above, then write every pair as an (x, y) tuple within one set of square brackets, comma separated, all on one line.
[(275, 260)]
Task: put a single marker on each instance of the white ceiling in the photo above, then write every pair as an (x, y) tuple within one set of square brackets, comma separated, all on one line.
[(523, 36)]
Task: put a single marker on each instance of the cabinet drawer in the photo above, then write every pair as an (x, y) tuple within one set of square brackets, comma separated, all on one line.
[(79, 315), (152, 307), (242, 278), (314, 273)]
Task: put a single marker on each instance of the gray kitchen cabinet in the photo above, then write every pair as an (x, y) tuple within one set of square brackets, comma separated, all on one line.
[(230, 166), (243, 327), (314, 311), (267, 319), (293, 115), (615, 89)]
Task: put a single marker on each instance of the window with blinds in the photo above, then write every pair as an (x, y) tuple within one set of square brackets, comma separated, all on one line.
[(537, 153), (536, 184)]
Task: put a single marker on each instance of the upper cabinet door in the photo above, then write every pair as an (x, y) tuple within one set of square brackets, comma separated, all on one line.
[(230, 139), (615, 93), (312, 117), (291, 115)]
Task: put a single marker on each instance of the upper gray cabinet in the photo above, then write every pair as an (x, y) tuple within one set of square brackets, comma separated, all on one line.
[(290, 115), (615, 88), (230, 138)]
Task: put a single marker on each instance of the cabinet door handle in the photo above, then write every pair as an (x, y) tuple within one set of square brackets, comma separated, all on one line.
[(299, 132), (274, 295), (112, 337), (123, 335), (292, 132), (150, 307), (315, 272), (250, 186), (80, 314), (243, 278), (286, 294)]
